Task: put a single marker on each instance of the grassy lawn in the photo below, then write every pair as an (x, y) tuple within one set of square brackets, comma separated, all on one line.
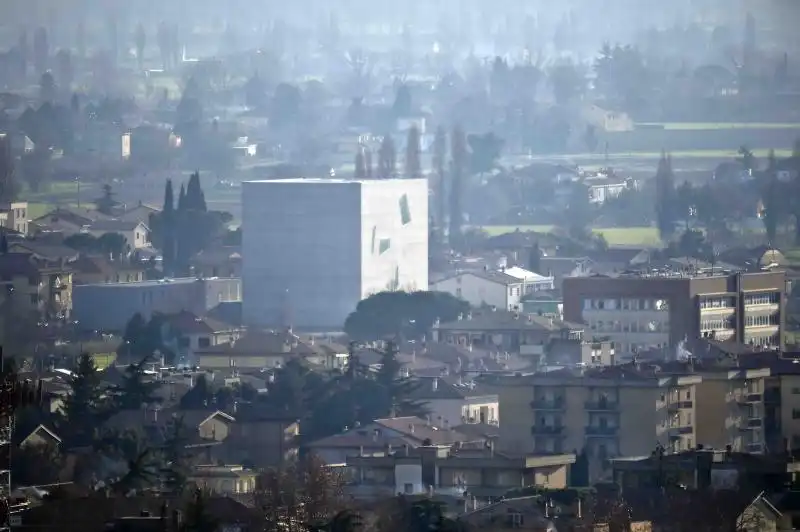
[(35, 210), (688, 126), (615, 236)]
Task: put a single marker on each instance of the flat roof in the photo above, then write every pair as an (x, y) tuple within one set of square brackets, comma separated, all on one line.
[(331, 180), (157, 282)]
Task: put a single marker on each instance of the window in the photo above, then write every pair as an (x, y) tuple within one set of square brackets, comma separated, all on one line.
[(384, 245), (795, 413), (795, 391), (408, 488), (405, 211), (771, 298), (203, 342), (34, 299), (517, 519)]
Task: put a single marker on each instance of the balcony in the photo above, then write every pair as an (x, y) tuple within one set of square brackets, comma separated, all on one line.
[(547, 430), (751, 397), (594, 430), (755, 447), (751, 424), (548, 404), (601, 405), (676, 431), (679, 405)]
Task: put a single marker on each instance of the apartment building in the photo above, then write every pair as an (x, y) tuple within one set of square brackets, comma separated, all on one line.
[(731, 409), (36, 287), (607, 411), (661, 308)]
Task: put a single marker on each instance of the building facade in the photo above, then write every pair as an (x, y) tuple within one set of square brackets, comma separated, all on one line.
[(313, 248), (605, 412), (646, 310), (109, 306)]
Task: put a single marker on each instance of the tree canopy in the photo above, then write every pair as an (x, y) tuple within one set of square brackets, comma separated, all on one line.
[(400, 314)]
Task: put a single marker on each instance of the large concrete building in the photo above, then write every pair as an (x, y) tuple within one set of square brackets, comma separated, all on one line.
[(643, 310), (313, 248)]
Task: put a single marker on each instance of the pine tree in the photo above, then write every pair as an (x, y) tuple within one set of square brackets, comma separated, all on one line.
[(141, 40), (665, 196), (387, 159), (198, 519), (175, 469), (9, 188), (360, 171), (136, 388), (368, 163), (182, 205), (458, 152), (413, 165), (195, 198), (535, 259), (85, 409), (168, 229), (439, 158), (41, 51)]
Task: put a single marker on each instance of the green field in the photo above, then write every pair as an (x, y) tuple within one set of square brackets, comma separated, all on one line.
[(693, 126), (615, 236), (644, 155)]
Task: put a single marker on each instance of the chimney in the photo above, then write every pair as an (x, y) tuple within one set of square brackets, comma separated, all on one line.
[(435, 383), (405, 449), (361, 450), (411, 428), (428, 419)]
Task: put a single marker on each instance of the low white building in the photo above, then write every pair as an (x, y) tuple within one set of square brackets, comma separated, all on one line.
[(452, 402), (137, 234), (499, 289)]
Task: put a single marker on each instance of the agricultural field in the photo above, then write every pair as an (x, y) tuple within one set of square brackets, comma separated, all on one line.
[(707, 126), (615, 236)]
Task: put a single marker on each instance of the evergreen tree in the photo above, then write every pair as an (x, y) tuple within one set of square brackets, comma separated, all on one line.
[(167, 223), (176, 468), (535, 259), (85, 408), (41, 51), (141, 40), (368, 163), (9, 188), (458, 152), (182, 199), (195, 198), (396, 389), (772, 199), (106, 203), (360, 170), (387, 159), (439, 158), (198, 518), (136, 389), (199, 396), (413, 165), (665, 196)]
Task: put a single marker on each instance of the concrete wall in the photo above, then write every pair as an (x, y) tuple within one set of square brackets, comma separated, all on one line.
[(109, 306), (395, 212), (300, 248), (313, 248)]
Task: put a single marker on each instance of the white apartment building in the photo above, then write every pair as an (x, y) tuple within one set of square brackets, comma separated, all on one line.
[(313, 248)]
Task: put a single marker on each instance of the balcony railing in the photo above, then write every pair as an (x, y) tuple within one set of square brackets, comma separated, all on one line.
[(548, 404), (593, 430), (602, 405), (545, 430), (679, 405), (752, 424), (751, 397)]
